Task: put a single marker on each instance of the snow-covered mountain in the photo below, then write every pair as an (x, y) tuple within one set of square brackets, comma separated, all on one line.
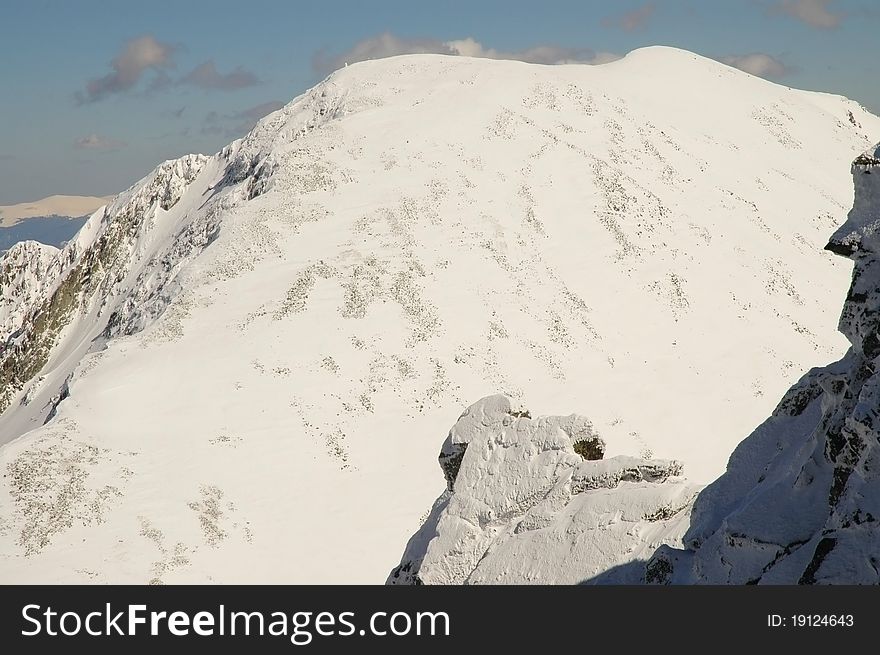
[(115, 275), (798, 504), (235, 372)]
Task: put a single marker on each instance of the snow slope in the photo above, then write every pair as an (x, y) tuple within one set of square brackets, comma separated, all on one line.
[(245, 357), (798, 504), (800, 500)]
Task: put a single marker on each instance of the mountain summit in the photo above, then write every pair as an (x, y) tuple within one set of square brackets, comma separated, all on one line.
[(244, 357)]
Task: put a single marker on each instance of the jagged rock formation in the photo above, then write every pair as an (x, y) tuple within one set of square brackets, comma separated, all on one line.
[(409, 235), (115, 274), (800, 501), (533, 500), (26, 271)]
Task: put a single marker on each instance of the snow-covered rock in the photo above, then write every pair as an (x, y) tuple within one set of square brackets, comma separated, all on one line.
[(533, 500), (245, 357), (800, 501), (27, 269)]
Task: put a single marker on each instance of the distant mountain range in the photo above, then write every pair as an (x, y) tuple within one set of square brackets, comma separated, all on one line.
[(48, 230), (70, 206), (52, 221)]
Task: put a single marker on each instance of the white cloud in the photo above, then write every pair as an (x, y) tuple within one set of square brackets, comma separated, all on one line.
[(137, 56), (633, 19), (812, 12), (757, 63), (378, 47), (97, 142), (146, 55), (543, 54), (207, 76), (389, 45)]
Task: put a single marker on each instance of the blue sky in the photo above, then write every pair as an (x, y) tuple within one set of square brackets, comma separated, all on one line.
[(95, 93)]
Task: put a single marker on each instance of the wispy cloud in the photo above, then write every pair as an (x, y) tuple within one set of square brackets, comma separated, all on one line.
[(137, 57), (758, 63), (97, 142), (239, 122), (256, 112), (206, 76), (378, 47), (631, 20), (389, 45), (542, 54), (816, 13), (146, 56)]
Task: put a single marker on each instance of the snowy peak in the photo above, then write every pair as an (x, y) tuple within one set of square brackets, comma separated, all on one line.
[(26, 269), (163, 187)]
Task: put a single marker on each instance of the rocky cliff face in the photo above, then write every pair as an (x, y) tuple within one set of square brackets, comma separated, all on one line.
[(800, 500), (26, 270), (118, 268)]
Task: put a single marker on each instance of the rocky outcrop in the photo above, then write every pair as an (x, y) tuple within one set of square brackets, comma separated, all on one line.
[(45, 290), (531, 500), (798, 504), (26, 270), (800, 500)]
